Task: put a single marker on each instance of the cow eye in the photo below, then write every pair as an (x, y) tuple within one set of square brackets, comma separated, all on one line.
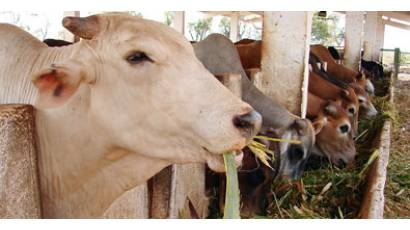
[(361, 101), (138, 57), (351, 110), (344, 128)]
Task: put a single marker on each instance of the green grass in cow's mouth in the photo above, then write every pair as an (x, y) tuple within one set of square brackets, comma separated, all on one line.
[(232, 198), (326, 191), (231, 209)]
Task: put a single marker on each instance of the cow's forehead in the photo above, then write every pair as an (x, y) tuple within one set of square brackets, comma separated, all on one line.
[(127, 28)]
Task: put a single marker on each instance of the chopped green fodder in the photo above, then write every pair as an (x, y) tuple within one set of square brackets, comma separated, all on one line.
[(232, 198), (326, 191)]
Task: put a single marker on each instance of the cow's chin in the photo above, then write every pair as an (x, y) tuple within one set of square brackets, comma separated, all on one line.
[(216, 162), (335, 156)]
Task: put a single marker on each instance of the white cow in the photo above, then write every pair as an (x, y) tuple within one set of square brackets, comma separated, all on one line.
[(115, 108)]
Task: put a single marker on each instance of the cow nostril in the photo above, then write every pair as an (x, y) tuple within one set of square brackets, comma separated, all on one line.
[(250, 122), (341, 163), (296, 154)]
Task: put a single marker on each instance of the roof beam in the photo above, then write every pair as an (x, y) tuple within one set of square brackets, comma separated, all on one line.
[(229, 13), (396, 15), (396, 24)]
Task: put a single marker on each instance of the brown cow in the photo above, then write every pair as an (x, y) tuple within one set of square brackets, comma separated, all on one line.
[(339, 71), (347, 97), (335, 139), (250, 53), (366, 107)]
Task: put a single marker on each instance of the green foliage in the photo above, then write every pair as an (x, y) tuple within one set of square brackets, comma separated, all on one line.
[(325, 31), (225, 26), (249, 31), (136, 13), (40, 32), (404, 59), (327, 191), (200, 29), (169, 17), (245, 29), (232, 200)]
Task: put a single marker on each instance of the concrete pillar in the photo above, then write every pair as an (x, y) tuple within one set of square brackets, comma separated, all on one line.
[(380, 35), (234, 31), (353, 39), (179, 21), (67, 35), (285, 53), (373, 36), (19, 182)]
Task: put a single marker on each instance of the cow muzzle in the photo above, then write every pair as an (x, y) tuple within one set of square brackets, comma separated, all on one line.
[(248, 124), (372, 111)]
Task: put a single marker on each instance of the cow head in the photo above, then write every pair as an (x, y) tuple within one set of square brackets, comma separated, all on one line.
[(147, 92), (366, 107), (334, 135), (293, 157), (351, 104), (365, 82)]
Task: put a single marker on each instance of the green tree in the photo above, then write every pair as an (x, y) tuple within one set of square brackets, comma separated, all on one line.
[(169, 17), (136, 13), (325, 30), (225, 26), (246, 30), (199, 30)]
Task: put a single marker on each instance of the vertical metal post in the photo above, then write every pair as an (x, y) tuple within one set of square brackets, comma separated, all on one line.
[(396, 62)]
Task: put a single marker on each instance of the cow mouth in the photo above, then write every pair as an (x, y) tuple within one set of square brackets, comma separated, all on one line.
[(338, 158), (216, 162)]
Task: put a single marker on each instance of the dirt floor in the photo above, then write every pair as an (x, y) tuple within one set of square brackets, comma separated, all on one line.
[(397, 191)]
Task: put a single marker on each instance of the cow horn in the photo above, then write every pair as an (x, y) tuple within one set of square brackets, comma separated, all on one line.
[(83, 27)]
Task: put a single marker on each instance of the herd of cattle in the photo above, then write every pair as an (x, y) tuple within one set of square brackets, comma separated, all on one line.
[(337, 98), (134, 96)]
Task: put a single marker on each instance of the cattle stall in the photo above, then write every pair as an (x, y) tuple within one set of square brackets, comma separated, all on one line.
[(179, 191)]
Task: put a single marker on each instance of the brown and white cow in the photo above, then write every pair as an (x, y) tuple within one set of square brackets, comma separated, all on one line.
[(334, 140), (366, 107), (115, 108), (340, 71), (346, 97)]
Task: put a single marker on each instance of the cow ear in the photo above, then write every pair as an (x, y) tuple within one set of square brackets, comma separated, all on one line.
[(58, 83), (359, 76), (301, 126), (324, 66), (345, 94), (319, 124), (331, 109), (338, 101)]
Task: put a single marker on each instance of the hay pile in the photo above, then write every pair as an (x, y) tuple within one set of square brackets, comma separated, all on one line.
[(325, 190)]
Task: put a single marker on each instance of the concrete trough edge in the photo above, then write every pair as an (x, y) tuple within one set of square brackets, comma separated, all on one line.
[(373, 198)]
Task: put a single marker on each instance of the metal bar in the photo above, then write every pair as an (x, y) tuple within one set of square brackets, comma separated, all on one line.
[(396, 62)]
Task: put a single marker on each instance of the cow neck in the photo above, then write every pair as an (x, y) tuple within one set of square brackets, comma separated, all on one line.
[(274, 115), (53, 55), (78, 176), (315, 105)]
